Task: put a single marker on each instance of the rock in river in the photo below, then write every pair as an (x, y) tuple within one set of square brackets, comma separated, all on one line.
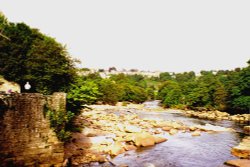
[(173, 131), (209, 127), (239, 162), (166, 128), (144, 139), (132, 129), (130, 147), (159, 139), (247, 130), (116, 149), (243, 149), (196, 133)]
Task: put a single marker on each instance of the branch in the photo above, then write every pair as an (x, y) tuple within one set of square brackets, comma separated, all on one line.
[(4, 36)]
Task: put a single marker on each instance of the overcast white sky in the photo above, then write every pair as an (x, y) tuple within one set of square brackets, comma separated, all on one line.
[(174, 36)]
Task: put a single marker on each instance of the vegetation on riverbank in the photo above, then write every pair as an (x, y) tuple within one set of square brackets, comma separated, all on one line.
[(223, 90), (28, 55)]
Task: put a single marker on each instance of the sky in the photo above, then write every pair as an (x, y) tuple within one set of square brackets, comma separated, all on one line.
[(165, 35)]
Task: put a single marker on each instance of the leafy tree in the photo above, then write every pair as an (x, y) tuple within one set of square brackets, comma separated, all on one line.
[(29, 55), (241, 90), (184, 77), (164, 76), (134, 94), (171, 94), (220, 97), (82, 93), (112, 69), (151, 93), (111, 91)]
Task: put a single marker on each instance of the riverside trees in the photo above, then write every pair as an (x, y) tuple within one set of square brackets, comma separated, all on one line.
[(28, 55), (223, 90)]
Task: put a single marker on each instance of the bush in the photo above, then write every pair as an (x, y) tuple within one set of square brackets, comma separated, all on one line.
[(59, 120), (81, 94)]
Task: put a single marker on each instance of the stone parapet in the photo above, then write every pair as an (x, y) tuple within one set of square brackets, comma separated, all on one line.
[(26, 138)]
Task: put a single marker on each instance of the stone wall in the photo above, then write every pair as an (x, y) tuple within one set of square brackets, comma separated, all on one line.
[(26, 138), (57, 101)]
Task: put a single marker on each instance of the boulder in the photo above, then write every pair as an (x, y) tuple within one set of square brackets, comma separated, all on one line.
[(129, 147), (148, 165), (161, 124), (247, 130), (209, 127), (243, 149), (239, 162), (120, 127), (123, 165), (119, 139), (132, 129), (116, 149), (176, 125), (157, 131), (166, 128), (192, 128), (144, 139), (98, 158), (91, 132), (196, 133), (159, 139), (173, 131)]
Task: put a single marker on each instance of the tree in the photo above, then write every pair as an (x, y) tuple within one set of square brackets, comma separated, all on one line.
[(82, 93), (111, 92), (170, 93), (31, 56), (48, 66), (184, 77), (150, 93), (112, 69), (241, 90), (134, 93), (220, 97), (164, 76)]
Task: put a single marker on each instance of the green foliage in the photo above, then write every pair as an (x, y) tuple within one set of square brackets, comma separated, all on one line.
[(59, 120), (225, 90), (220, 97), (151, 95), (31, 56), (64, 135), (171, 94), (82, 93), (134, 94), (185, 77), (110, 91), (165, 76), (242, 103), (240, 96)]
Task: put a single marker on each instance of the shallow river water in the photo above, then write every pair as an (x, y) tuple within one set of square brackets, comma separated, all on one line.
[(183, 150)]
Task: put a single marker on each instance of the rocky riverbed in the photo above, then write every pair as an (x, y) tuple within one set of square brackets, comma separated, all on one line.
[(108, 131), (218, 115)]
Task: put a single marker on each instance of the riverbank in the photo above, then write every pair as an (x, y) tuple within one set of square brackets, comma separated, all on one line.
[(108, 131), (218, 115)]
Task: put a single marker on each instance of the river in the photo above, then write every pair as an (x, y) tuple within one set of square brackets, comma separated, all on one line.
[(183, 150)]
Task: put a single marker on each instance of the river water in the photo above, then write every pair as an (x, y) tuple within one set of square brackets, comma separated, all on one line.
[(182, 149)]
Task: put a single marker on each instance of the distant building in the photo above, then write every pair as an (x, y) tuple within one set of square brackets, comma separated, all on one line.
[(107, 73)]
